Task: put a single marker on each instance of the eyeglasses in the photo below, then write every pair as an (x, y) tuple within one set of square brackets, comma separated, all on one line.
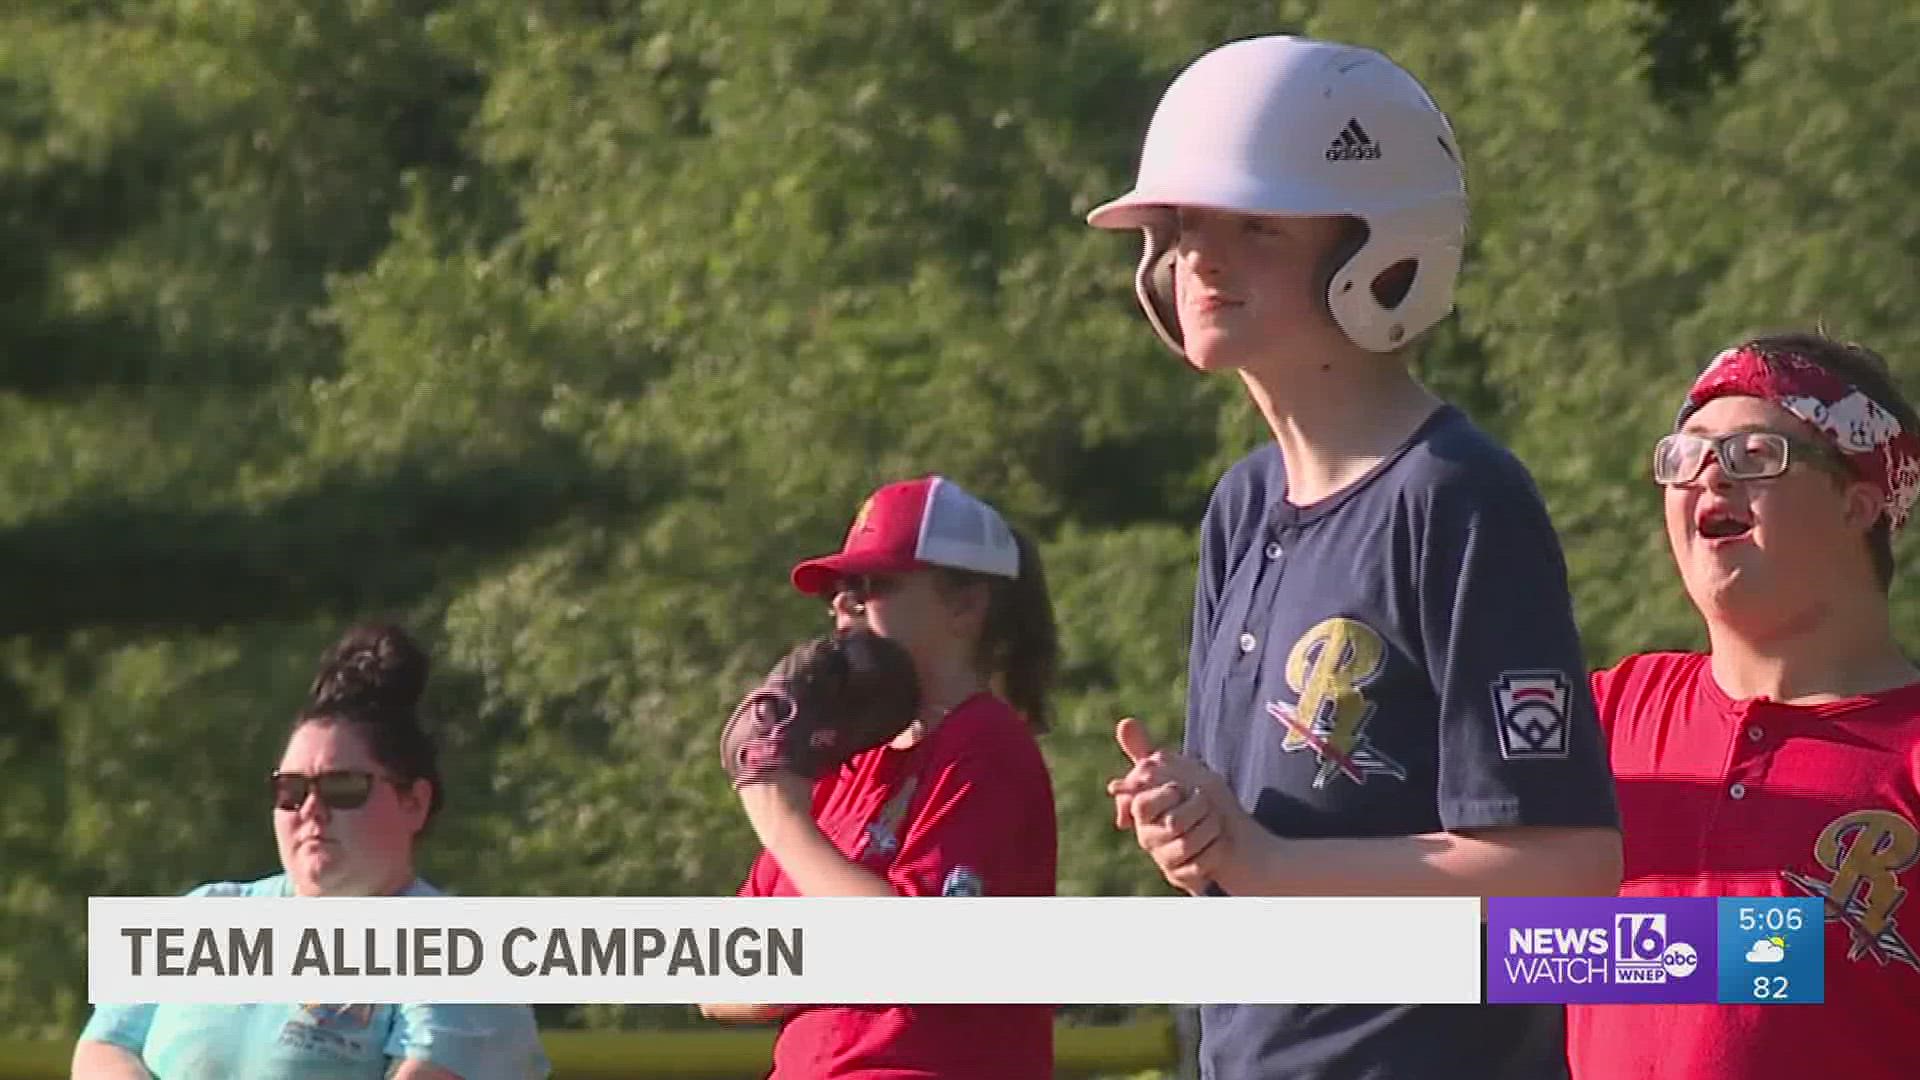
[(1743, 455), (338, 790)]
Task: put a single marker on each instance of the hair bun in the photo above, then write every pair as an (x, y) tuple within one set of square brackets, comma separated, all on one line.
[(374, 666)]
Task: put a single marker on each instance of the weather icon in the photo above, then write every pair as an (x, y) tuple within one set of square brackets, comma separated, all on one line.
[(1768, 951)]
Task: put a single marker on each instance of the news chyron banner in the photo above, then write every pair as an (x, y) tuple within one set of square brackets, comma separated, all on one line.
[(782, 951), (1052, 950), (1687, 951)]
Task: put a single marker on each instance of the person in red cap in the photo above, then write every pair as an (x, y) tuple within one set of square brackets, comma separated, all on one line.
[(1785, 761), (960, 804)]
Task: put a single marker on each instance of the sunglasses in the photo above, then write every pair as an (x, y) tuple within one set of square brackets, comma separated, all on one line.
[(861, 588), (338, 790), (1743, 455)]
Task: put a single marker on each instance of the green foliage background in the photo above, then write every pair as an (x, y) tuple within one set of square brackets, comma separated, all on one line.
[(559, 328)]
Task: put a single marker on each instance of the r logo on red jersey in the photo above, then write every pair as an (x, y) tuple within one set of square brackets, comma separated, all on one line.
[(883, 830), (1865, 850)]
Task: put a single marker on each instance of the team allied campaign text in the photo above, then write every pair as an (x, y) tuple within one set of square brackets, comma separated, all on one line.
[(523, 951)]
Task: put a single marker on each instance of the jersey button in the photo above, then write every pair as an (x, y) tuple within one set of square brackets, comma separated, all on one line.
[(1247, 642), (1755, 733), (1738, 791), (1274, 550)]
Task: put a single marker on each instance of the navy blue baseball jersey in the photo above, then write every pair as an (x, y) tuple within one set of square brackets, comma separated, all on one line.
[(1399, 658)]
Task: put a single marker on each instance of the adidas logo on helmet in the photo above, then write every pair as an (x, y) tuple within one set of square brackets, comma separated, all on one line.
[(1353, 144)]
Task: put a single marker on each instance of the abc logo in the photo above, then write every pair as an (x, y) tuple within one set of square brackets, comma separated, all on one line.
[(1680, 960)]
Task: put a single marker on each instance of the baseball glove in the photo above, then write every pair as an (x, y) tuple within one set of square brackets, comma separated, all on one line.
[(827, 700)]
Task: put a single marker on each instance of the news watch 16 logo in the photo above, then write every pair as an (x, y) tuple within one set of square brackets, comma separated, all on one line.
[(1601, 950), (1645, 955)]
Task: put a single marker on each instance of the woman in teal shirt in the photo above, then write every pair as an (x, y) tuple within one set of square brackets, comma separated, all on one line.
[(357, 783)]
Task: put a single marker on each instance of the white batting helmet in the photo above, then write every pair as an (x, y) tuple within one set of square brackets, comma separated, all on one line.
[(1294, 127)]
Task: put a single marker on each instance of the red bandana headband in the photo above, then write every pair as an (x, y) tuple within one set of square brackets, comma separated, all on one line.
[(1867, 435)]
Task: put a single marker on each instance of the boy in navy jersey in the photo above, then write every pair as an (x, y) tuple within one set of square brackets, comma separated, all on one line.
[(1387, 692)]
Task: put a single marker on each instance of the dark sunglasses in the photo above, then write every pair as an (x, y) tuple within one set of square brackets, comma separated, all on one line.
[(339, 790), (861, 588), (869, 586)]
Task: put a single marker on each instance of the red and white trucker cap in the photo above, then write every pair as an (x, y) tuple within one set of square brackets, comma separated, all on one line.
[(914, 525)]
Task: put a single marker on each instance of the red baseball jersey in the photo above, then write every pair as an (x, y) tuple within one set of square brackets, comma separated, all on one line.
[(1755, 798), (968, 811)]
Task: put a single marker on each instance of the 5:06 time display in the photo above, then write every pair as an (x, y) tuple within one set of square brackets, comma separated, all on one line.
[(1778, 920)]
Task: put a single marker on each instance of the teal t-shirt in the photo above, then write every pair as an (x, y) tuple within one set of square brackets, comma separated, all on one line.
[(321, 1042)]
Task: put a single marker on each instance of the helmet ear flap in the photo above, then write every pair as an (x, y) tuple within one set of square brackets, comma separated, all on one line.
[(1153, 284), (1397, 281), (1336, 276)]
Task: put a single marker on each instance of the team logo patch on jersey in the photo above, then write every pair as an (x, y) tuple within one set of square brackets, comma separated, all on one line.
[(1865, 851), (1531, 707), (962, 881), (1328, 668)]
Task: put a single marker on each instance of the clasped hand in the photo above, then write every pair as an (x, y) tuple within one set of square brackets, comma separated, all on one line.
[(1183, 815)]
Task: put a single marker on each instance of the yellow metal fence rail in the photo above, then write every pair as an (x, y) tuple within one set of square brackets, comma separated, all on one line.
[(1080, 1052)]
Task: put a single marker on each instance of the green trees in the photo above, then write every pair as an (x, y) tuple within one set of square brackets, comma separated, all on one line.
[(559, 329)]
